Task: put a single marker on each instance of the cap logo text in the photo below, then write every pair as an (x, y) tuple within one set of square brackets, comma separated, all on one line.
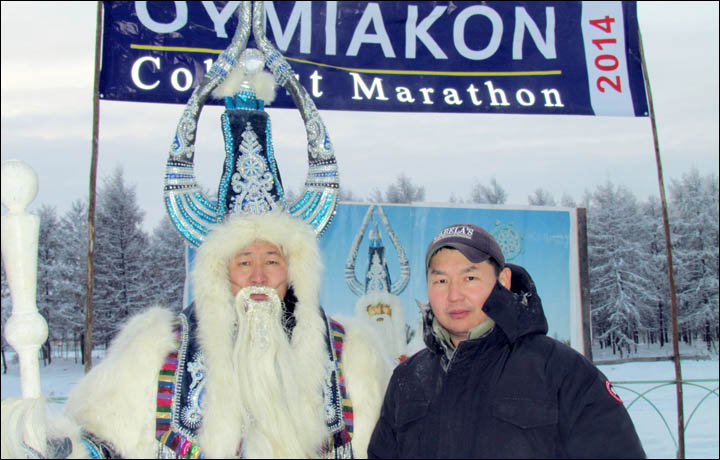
[(460, 231)]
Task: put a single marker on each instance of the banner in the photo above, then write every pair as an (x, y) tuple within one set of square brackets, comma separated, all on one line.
[(554, 58)]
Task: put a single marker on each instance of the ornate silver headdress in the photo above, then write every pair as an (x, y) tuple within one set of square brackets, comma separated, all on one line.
[(377, 278), (251, 181)]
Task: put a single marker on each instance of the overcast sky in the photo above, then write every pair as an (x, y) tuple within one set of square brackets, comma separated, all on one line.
[(47, 76)]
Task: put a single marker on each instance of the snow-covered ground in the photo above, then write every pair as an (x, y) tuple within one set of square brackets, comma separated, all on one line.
[(701, 436), (698, 348)]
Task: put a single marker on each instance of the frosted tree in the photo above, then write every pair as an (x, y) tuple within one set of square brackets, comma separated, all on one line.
[(541, 197), (72, 285), (655, 269), (454, 199), (346, 194), (49, 272), (694, 224), (618, 289), (166, 264), (492, 194), (376, 196), (121, 257), (402, 191), (568, 201)]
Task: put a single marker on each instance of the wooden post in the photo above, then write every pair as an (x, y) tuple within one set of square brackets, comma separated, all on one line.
[(583, 264), (87, 345), (668, 253)]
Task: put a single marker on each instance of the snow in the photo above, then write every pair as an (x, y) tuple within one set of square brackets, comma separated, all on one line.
[(701, 437)]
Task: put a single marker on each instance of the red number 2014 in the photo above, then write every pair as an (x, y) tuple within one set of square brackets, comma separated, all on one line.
[(606, 62)]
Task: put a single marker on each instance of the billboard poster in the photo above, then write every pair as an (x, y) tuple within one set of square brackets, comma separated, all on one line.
[(542, 240)]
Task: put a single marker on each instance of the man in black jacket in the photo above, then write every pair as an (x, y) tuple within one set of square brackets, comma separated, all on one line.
[(490, 382)]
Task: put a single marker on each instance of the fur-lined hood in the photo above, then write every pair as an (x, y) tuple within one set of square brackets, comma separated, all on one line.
[(294, 237), (214, 307)]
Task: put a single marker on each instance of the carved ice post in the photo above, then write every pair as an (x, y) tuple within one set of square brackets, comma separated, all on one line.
[(26, 330)]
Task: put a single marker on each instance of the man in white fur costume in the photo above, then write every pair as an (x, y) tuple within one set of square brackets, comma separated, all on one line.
[(384, 311), (261, 379), (253, 368), (379, 304)]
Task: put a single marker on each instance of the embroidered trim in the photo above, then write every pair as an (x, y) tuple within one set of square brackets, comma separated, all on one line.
[(192, 413), (166, 400), (344, 436)]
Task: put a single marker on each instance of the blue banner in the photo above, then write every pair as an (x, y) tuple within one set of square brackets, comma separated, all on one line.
[(574, 58)]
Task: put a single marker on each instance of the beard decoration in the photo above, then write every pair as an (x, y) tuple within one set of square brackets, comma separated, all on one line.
[(260, 318), (270, 379)]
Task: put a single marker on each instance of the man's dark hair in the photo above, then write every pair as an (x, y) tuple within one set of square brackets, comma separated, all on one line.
[(496, 267)]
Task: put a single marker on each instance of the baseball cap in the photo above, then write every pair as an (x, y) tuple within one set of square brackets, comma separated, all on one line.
[(473, 242)]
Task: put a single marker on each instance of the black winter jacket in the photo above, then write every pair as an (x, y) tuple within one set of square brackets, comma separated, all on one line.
[(514, 393)]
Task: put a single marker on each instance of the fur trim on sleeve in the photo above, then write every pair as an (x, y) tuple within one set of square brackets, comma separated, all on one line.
[(116, 401), (367, 371)]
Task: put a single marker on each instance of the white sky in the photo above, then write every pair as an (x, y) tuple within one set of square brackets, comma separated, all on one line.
[(46, 100)]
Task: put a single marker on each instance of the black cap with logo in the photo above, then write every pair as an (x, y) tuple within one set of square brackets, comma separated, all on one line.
[(476, 244)]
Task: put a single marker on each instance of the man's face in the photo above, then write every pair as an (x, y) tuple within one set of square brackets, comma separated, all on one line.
[(458, 289), (258, 264)]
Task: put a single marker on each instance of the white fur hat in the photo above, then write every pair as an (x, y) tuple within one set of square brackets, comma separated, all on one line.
[(293, 236)]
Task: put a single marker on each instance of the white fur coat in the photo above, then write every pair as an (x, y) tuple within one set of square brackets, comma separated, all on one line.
[(117, 400)]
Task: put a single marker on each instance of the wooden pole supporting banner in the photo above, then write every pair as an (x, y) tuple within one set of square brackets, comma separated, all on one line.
[(668, 252), (87, 343)]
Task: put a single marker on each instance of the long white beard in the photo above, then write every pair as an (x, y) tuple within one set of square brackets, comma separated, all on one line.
[(270, 382), (385, 329)]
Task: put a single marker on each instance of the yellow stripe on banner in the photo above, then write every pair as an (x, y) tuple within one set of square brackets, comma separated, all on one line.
[(522, 73), (174, 48), (166, 378)]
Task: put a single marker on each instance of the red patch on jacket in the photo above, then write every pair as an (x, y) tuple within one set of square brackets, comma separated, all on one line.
[(608, 387)]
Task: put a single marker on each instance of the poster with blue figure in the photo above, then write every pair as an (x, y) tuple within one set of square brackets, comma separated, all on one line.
[(542, 240)]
